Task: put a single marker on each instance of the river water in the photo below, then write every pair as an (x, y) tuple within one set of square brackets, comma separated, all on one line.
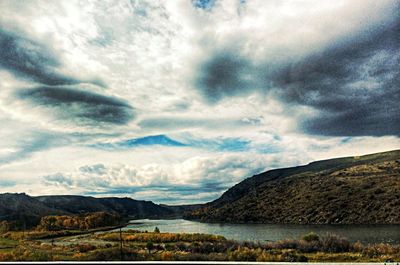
[(272, 232)]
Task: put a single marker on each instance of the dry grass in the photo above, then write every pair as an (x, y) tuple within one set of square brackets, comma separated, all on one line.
[(197, 247)]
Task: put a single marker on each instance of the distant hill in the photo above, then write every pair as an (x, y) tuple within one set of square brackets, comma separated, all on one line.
[(349, 190), (28, 210), (19, 206), (123, 206)]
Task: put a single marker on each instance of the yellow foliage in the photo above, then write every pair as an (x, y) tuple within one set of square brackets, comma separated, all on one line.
[(166, 256)]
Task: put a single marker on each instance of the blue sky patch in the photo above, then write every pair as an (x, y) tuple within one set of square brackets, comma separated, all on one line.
[(204, 4), (221, 144), (7, 183), (161, 139), (217, 144)]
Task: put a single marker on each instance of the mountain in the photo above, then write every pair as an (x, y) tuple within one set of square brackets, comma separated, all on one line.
[(27, 210), (123, 206), (349, 190), (17, 206)]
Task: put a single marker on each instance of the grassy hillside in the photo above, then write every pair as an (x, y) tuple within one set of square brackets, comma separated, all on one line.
[(350, 190)]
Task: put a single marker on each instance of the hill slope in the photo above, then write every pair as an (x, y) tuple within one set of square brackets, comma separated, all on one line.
[(350, 190), (26, 209), (14, 206), (123, 206)]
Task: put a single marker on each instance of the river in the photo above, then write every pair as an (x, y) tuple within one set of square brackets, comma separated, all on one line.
[(272, 232)]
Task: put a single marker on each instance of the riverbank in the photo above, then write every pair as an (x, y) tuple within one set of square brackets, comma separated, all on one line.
[(153, 246), (366, 234), (42, 235)]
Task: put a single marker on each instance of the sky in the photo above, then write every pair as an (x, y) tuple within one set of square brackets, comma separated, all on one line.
[(176, 101)]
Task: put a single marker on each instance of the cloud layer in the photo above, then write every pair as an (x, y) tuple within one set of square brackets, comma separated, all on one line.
[(195, 176), (176, 101), (352, 85), (81, 106)]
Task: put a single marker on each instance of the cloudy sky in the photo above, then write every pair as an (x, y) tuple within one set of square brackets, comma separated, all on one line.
[(176, 101)]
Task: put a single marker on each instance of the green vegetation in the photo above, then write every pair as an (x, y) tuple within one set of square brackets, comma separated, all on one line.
[(311, 237), (191, 247)]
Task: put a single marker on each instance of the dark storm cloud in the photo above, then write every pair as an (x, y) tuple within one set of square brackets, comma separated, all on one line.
[(28, 59), (225, 74), (353, 85), (80, 106)]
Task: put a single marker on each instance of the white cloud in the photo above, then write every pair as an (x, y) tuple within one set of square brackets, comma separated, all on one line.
[(207, 176), (148, 53)]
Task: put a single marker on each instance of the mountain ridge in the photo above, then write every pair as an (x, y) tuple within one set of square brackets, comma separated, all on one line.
[(347, 190), (338, 191)]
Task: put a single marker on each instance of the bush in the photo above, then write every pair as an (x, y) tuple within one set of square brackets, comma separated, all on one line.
[(380, 249), (335, 244), (149, 246), (291, 256), (28, 255), (4, 227), (244, 254), (161, 237), (6, 257), (268, 256), (104, 254), (308, 246), (167, 256), (311, 237), (283, 244), (83, 248)]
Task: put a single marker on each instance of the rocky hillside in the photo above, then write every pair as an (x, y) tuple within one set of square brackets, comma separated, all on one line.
[(350, 190)]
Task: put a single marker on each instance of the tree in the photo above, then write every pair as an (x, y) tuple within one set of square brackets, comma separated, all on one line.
[(4, 226), (149, 246)]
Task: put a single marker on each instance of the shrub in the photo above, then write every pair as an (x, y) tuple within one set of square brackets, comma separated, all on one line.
[(291, 256), (311, 237), (149, 246), (85, 248), (380, 249), (335, 244), (6, 257), (166, 256), (29, 255), (181, 246), (283, 244), (4, 227), (308, 246), (244, 254), (104, 254), (162, 237), (268, 256)]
